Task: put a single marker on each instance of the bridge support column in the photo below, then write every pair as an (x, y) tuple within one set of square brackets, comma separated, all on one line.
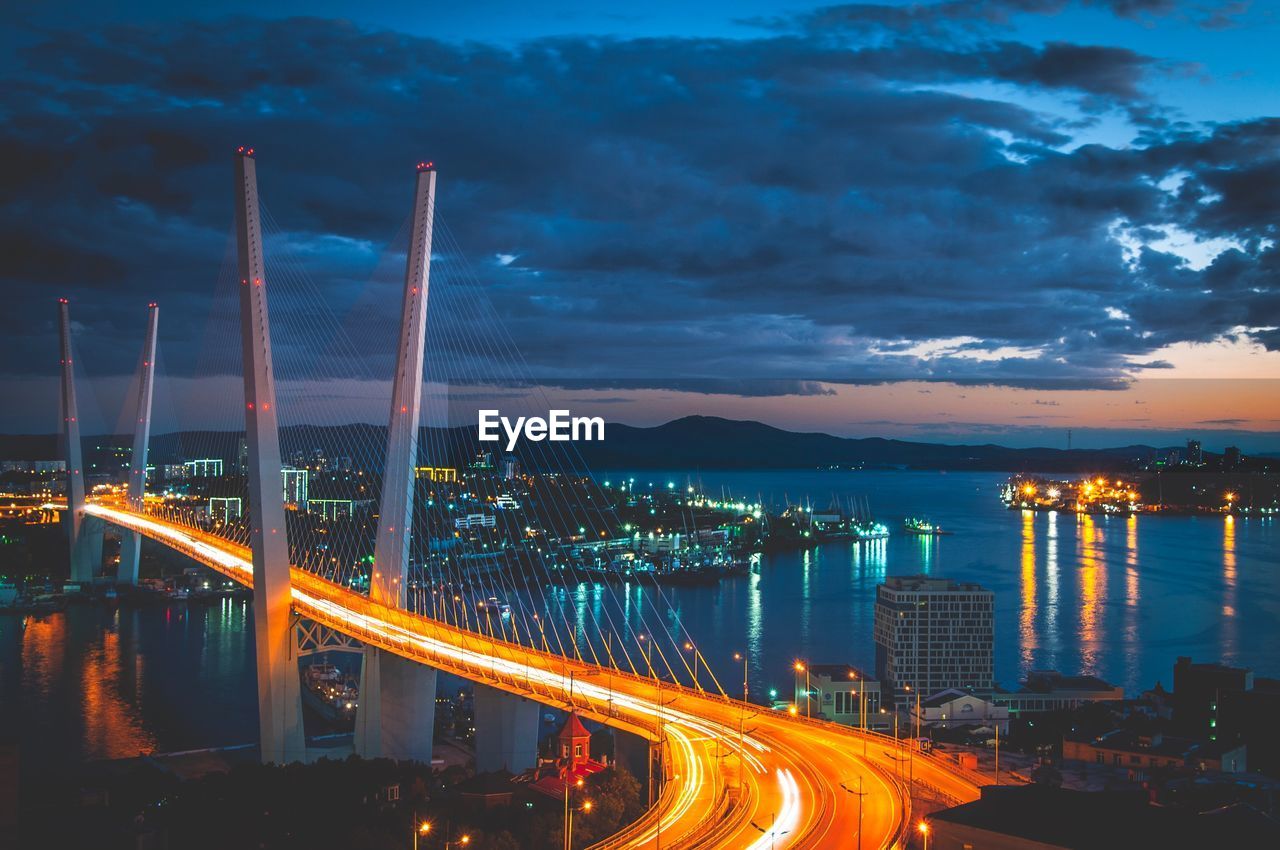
[(279, 697), (86, 549), (83, 535), (396, 717), (506, 731), (131, 541), (390, 578)]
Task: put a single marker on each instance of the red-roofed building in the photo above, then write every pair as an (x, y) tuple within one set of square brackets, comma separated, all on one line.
[(573, 763)]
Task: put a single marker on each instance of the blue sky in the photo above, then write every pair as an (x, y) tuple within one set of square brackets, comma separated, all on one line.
[(747, 206)]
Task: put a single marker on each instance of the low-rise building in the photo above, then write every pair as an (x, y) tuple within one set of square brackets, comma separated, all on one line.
[(1142, 751), (839, 692), (1049, 690), (953, 707)]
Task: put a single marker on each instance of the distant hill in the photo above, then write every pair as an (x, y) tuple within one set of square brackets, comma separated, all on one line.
[(709, 442), (693, 442)]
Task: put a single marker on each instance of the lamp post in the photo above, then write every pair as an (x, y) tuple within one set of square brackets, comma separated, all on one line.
[(585, 808), (463, 841), (568, 813), (689, 647), (859, 794), (924, 830), (771, 831), (742, 717), (801, 667), (420, 830)]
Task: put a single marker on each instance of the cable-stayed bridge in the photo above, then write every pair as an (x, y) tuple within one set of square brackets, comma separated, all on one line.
[(415, 591)]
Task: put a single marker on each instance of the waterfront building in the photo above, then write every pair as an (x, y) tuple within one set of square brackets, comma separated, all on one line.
[(952, 707), (203, 468), (932, 634), (839, 692), (1197, 692), (1231, 457), (295, 485), (1049, 690), (475, 521), (510, 468), (1228, 705)]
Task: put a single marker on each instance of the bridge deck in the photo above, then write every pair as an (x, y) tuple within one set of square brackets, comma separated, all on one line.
[(790, 770)]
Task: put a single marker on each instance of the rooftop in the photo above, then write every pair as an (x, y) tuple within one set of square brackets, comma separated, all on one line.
[(838, 672), (1044, 681), (931, 584), (1058, 817)]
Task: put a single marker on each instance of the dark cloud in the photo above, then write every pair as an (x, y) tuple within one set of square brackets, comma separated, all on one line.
[(752, 216)]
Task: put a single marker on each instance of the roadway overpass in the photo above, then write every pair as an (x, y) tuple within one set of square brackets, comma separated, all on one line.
[(732, 768)]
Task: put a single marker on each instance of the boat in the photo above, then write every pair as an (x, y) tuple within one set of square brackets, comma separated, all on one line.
[(493, 605), (330, 693), (915, 525)]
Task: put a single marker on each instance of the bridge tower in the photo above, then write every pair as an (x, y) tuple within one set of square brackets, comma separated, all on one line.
[(279, 698), (396, 714), (84, 532), (131, 541)]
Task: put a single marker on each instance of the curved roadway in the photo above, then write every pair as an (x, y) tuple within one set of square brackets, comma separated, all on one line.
[(737, 775)]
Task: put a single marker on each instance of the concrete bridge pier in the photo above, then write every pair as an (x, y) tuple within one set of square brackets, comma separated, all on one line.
[(86, 549), (396, 717), (506, 731)]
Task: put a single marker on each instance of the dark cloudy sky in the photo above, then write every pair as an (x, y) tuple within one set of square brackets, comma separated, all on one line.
[(1037, 211)]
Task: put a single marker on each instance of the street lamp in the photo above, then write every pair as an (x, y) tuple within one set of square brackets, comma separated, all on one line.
[(772, 832), (742, 716), (924, 830), (462, 841), (859, 794), (801, 667), (689, 647), (423, 830), (585, 808)]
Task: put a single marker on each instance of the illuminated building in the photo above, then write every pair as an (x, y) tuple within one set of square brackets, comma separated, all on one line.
[(295, 485), (932, 634), (203, 468), (224, 509), (1195, 455), (436, 473), (475, 521)]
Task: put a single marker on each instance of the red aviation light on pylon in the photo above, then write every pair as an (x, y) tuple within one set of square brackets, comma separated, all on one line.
[(63, 301), (244, 151), (426, 166)]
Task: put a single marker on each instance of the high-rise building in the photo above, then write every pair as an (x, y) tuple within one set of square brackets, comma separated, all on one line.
[(436, 473), (295, 486), (1195, 454), (224, 509), (242, 456), (510, 468), (204, 468), (331, 509), (931, 634), (1231, 457)]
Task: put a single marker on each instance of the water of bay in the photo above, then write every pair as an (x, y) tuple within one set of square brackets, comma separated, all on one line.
[(1120, 597)]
